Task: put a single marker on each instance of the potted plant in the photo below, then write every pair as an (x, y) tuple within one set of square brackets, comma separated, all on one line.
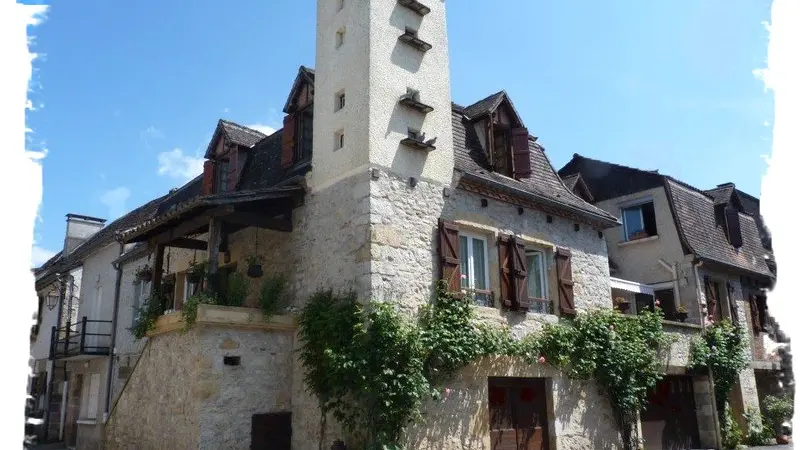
[(622, 304), (254, 266), (196, 272), (144, 273), (640, 234), (681, 314)]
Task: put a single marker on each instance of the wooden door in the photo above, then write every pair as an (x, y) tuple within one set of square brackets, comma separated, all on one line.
[(518, 409), (271, 431), (670, 420), (75, 389)]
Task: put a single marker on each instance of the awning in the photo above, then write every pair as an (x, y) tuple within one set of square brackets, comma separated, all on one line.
[(631, 286)]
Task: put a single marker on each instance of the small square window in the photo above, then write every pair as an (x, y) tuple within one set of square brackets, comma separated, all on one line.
[(340, 37), (340, 101), (639, 221), (339, 140), (413, 134)]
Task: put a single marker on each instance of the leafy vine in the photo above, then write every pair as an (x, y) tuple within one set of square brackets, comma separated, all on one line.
[(372, 368), (722, 349)]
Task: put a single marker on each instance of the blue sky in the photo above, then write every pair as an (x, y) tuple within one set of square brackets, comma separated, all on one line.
[(125, 96)]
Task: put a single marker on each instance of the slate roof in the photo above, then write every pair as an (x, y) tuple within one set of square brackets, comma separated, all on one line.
[(698, 227), (484, 106), (544, 182), (235, 133), (722, 193), (99, 240), (693, 211), (606, 180)]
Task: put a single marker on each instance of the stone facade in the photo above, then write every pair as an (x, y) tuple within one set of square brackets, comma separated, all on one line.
[(195, 401)]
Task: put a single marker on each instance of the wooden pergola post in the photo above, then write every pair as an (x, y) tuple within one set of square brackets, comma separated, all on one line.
[(214, 238), (158, 270)]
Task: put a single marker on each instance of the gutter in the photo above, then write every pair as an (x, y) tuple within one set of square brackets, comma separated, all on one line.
[(696, 264), (540, 199), (117, 283)]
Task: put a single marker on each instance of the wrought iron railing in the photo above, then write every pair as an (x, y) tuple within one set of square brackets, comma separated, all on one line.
[(87, 337)]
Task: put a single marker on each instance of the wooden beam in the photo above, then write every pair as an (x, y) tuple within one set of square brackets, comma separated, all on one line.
[(191, 225), (192, 244), (158, 270), (214, 238), (249, 219)]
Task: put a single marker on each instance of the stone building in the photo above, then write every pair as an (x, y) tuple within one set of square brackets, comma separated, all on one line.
[(705, 251)]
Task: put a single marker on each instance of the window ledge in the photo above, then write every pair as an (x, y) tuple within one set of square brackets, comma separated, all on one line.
[(86, 422), (638, 241), (675, 323)]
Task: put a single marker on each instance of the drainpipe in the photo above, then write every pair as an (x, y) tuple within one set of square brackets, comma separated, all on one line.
[(715, 414), (52, 363), (117, 282)]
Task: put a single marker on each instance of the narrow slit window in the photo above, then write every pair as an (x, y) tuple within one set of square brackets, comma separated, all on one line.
[(339, 140), (340, 37), (340, 100)]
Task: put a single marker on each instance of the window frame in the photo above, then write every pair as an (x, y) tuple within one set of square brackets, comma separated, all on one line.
[(469, 260), (341, 100), (542, 275), (87, 406), (635, 204), (222, 175), (302, 154), (140, 296), (186, 283)]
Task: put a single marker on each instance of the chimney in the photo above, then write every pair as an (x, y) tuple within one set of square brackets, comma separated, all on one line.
[(79, 229)]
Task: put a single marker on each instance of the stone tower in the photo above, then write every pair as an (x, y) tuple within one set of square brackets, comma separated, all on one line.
[(383, 141), (372, 53)]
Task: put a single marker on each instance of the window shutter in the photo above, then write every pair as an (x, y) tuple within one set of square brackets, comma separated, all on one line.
[(520, 266), (754, 314), (287, 152), (711, 299), (208, 177), (734, 308), (522, 154), (734, 227), (761, 304), (450, 255), (505, 256), (233, 169), (566, 295)]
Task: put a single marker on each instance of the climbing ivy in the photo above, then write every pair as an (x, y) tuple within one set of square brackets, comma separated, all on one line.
[(146, 315), (372, 368), (722, 349), (189, 309)]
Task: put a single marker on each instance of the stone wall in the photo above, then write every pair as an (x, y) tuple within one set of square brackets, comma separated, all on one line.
[(183, 396)]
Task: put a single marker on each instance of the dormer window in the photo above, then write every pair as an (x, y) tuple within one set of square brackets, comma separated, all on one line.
[(222, 176), (305, 133), (501, 150)]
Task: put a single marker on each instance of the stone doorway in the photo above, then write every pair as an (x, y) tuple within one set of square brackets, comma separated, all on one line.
[(518, 414)]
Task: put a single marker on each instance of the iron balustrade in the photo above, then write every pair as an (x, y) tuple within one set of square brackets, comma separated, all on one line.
[(87, 337)]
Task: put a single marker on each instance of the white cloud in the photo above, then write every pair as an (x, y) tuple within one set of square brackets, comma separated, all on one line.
[(266, 129), (115, 200), (40, 255), (175, 164)]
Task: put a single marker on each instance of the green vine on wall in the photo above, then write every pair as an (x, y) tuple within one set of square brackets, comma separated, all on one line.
[(372, 368), (146, 315), (722, 349)]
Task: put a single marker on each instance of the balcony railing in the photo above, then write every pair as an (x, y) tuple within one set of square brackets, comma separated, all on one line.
[(85, 338)]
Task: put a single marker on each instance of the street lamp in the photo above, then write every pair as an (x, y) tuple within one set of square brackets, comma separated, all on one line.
[(52, 301)]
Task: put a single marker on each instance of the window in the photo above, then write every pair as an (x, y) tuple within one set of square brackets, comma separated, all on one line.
[(666, 299), (339, 101), (341, 5), (537, 281), (474, 268), (639, 221), (501, 150), (141, 291), (223, 167), (340, 37), (338, 142), (305, 134), (90, 396), (413, 134)]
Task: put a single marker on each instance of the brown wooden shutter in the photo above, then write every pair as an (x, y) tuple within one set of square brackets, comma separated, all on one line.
[(520, 266), (287, 152), (566, 295), (754, 314), (711, 299), (450, 254), (506, 258), (732, 306), (734, 227), (761, 304), (233, 168), (208, 177), (522, 154)]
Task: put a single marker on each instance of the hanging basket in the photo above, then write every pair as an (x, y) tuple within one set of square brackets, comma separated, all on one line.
[(194, 277), (255, 271)]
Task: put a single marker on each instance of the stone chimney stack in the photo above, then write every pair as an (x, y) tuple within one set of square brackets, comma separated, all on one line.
[(79, 229)]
